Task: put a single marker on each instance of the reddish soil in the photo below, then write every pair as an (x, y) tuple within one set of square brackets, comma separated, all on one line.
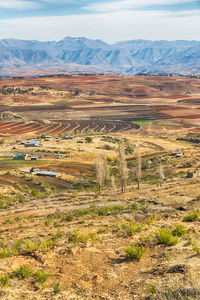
[(94, 102), (62, 127)]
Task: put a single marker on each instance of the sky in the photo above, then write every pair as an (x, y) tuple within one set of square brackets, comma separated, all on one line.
[(111, 20)]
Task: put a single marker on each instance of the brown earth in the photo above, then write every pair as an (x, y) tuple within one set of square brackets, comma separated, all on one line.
[(84, 103), (62, 226)]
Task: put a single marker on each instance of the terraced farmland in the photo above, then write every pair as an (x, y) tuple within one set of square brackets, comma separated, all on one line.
[(11, 128)]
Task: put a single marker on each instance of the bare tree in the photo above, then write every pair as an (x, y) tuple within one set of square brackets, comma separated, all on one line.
[(113, 183), (161, 173), (138, 167), (101, 171), (123, 170)]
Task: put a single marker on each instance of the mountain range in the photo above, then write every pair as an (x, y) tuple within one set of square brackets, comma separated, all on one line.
[(72, 55)]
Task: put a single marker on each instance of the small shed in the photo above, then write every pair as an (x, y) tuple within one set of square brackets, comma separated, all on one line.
[(32, 144), (34, 157), (177, 154), (20, 157), (47, 173), (68, 137)]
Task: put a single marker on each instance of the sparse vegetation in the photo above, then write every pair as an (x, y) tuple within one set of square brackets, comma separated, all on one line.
[(88, 139), (22, 272), (195, 246), (4, 280), (179, 230), (57, 288), (81, 238), (165, 236), (135, 252), (41, 277), (128, 228), (192, 216)]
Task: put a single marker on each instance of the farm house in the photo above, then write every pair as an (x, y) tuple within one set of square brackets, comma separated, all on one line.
[(68, 137), (32, 144), (20, 157)]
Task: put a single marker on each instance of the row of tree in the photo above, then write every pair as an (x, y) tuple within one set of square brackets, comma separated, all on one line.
[(103, 170)]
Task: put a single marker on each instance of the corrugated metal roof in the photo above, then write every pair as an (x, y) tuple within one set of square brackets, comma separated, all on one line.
[(47, 173), (33, 142)]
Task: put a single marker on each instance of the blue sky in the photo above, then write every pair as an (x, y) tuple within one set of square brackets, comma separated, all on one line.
[(110, 20)]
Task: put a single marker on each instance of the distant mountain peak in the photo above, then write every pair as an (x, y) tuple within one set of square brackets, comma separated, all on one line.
[(125, 57)]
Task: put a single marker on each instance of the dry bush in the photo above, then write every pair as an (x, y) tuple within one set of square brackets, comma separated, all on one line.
[(102, 172)]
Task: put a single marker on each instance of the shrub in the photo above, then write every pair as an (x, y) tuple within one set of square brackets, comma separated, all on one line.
[(57, 235), (102, 230), (195, 247), (88, 139), (135, 252), (179, 230), (47, 223), (190, 292), (4, 280), (77, 237), (35, 193), (103, 211), (68, 217), (110, 159), (45, 245), (41, 277), (152, 289), (165, 237), (128, 228), (132, 228), (30, 247), (133, 207), (192, 216), (22, 272), (57, 288), (107, 147), (56, 224), (7, 253)]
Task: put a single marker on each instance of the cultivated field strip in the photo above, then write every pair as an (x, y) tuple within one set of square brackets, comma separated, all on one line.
[(62, 127), (54, 204)]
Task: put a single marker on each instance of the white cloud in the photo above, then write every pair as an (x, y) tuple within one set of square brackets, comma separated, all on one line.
[(110, 27), (29, 4), (18, 4), (58, 1), (111, 6)]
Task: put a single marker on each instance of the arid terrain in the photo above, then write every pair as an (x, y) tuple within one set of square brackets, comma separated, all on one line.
[(119, 218)]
